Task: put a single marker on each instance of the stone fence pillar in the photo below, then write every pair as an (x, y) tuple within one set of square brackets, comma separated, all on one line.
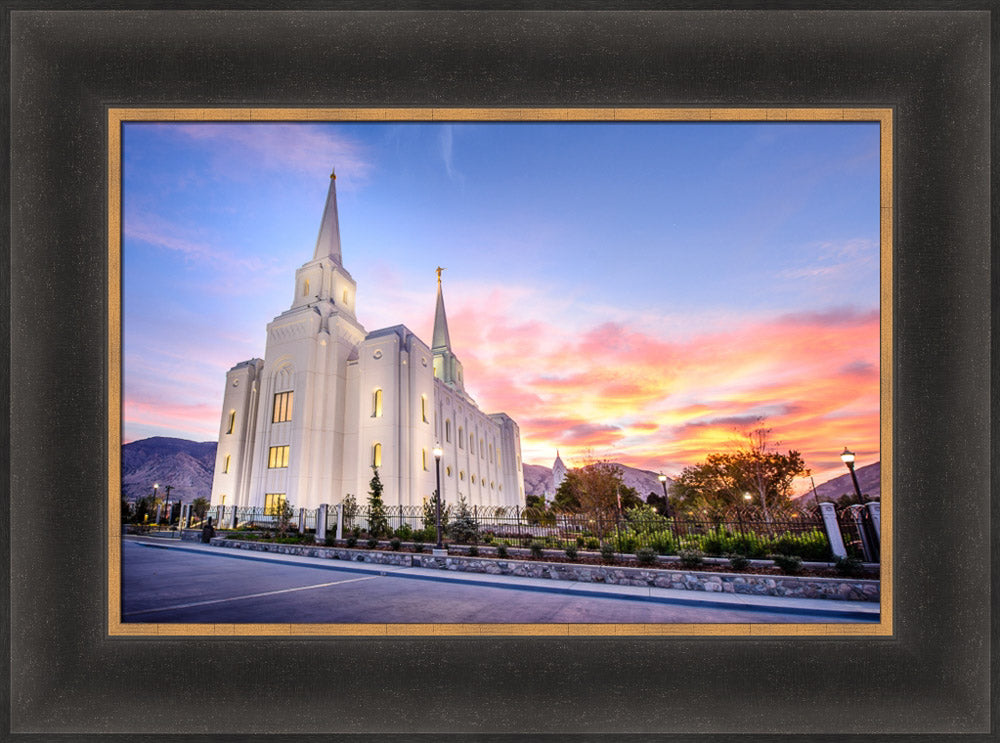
[(875, 509), (321, 523), (302, 521), (185, 510), (340, 521), (833, 529), (234, 520)]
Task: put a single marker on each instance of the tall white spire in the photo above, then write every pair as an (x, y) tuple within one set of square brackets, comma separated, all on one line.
[(441, 340), (447, 367), (328, 242)]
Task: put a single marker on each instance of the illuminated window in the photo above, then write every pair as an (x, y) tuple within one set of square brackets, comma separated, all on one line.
[(423, 408), (277, 457), (461, 475), (491, 485), (225, 466), (473, 479), (491, 452), (482, 450), (500, 488), (423, 458), (377, 455), (273, 501), (498, 456), (447, 471), (223, 502), (282, 412), (461, 438), (447, 431), (472, 443), (377, 404), (305, 288), (345, 296), (232, 421)]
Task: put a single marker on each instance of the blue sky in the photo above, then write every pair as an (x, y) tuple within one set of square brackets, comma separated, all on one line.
[(580, 258)]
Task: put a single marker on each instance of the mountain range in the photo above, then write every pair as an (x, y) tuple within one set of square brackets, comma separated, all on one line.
[(188, 467)]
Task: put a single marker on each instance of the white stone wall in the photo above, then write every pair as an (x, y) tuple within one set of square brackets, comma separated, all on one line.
[(239, 401)]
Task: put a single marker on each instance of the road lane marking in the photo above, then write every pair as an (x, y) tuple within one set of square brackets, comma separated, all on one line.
[(248, 596)]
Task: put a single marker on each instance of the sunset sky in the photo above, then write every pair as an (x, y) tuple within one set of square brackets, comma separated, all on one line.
[(634, 292)]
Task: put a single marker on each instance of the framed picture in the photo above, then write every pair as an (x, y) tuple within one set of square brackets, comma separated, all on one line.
[(248, 679), (818, 241)]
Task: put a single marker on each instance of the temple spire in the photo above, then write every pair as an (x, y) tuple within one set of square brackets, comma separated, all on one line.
[(447, 367), (328, 242), (441, 340)]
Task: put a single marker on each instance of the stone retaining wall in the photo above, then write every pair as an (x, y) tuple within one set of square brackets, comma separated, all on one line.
[(844, 589)]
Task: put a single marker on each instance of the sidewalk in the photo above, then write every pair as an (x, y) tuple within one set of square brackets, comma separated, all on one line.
[(856, 610)]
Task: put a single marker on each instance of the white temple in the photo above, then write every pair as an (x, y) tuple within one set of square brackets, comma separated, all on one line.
[(329, 400)]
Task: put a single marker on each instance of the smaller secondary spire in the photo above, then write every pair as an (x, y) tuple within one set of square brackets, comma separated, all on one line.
[(441, 340), (328, 242)]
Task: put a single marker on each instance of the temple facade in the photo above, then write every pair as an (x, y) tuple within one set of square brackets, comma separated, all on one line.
[(329, 401)]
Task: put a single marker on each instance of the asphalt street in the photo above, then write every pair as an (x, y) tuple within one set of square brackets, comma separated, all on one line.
[(162, 584)]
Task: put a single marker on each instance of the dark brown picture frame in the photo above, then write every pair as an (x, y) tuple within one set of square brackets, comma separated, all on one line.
[(929, 679)]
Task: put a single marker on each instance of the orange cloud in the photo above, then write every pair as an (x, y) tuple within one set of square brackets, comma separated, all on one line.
[(813, 376)]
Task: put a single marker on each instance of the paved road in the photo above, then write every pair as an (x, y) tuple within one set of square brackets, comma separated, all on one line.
[(164, 584)]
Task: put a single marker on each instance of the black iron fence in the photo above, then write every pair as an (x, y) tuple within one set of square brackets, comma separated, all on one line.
[(801, 534)]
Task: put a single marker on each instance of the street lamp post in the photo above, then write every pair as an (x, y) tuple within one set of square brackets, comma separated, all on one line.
[(156, 497), (848, 458), (666, 499), (437, 493)]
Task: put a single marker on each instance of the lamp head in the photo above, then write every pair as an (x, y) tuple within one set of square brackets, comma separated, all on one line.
[(662, 477), (438, 451), (847, 457)]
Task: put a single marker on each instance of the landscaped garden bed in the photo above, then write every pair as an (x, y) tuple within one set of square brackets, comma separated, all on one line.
[(687, 561)]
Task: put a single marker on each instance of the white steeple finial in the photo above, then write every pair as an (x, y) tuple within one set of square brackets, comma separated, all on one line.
[(328, 242)]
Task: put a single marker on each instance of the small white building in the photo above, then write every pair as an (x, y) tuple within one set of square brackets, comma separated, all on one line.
[(329, 400)]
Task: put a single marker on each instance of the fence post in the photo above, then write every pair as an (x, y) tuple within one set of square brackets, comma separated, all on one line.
[(875, 509), (340, 521), (302, 521), (320, 536), (833, 529)]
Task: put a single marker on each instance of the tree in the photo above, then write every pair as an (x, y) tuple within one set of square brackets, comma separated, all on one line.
[(595, 488), (464, 529), (283, 516), (719, 484), (378, 522), (350, 510), (200, 506)]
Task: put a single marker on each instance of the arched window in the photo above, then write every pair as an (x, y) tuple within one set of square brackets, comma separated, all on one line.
[(377, 455), (305, 288), (345, 296), (482, 450), (225, 467), (447, 471), (423, 459), (423, 408), (377, 404), (232, 421), (461, 438), (447, 431), (461, 475), (472, 443)]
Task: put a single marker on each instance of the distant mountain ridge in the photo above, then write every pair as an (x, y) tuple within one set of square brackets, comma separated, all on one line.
[(188, 466), (538, 480), (869, 480)]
